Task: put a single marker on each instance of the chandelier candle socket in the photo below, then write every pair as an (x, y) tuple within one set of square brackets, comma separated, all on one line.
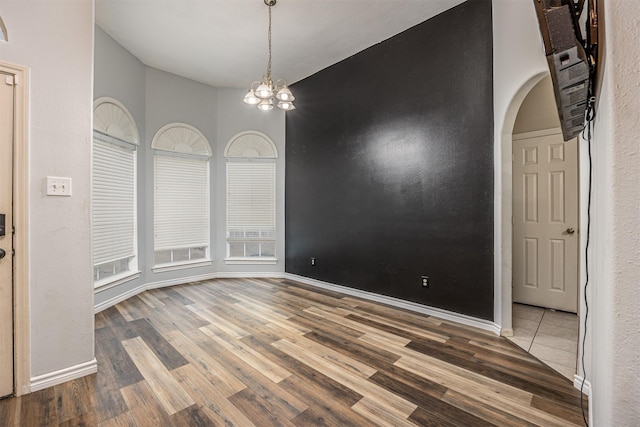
[(265, 94)]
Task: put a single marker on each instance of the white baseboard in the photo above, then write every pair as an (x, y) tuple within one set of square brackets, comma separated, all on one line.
[(118, 298), (506, 332), (63, 375), (180, 281), (396, 302), (577, 383), (139, 289), (250, 275)]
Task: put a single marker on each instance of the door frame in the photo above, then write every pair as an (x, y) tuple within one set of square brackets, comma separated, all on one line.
[(503, 209), (21, 331), (539, 134), (503, 213)]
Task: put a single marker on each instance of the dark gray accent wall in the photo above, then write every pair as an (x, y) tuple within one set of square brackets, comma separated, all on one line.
[(390, 166)]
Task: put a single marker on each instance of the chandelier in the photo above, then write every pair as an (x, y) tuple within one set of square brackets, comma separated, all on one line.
[(264, 94)]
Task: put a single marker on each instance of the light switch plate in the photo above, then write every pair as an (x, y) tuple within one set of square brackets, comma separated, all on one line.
[(58, 186)]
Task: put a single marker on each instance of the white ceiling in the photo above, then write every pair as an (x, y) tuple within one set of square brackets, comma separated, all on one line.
[(224, 42)]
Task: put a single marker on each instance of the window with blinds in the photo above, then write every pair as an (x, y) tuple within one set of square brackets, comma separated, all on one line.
[(251, 209), (181, 206), (181, 196), (114, 208), (113, 192), (251, 198)]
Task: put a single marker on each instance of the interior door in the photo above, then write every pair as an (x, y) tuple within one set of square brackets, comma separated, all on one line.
[(6, 234), (545, 222)]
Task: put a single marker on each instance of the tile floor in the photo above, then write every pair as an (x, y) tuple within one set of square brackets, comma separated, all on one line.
[(549, 335)]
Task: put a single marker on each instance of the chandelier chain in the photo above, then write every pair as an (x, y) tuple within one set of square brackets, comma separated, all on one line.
[(269, 63), (266, 94)]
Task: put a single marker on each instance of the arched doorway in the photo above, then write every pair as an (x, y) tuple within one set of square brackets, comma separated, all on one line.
[(504, 206), (545, 233)]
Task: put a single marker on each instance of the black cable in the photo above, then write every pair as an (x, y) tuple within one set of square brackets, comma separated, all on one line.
[(591, 50), (590, 115)]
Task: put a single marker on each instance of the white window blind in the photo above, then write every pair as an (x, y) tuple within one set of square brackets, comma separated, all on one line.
[(113, 215), (181, 202), (251, 210), (251, 196)]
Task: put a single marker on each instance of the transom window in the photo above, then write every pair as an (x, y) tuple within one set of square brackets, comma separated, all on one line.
[(181, 196), (251, 198)]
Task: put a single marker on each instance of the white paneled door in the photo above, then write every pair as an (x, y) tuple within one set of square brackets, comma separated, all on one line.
[(6, 235), (545, 221)]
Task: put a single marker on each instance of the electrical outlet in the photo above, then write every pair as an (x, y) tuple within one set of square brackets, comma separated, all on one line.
[(58, 186), (313, 261), (425, 281)]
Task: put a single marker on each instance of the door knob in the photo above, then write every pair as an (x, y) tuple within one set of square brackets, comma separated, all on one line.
[(570, 230), (2, 253)]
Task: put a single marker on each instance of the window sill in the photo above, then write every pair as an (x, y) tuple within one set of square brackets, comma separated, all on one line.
[(181, 266), (112, 281), (250, 261)]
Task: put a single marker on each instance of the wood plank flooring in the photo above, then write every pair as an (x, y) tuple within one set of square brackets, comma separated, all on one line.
[(263, 352)]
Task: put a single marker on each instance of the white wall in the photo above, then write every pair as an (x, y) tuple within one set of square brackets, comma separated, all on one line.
[(518, 64), (615, 255), (156, 98), (54, 38), (233, 117), (120, 75), (219, 114), (170, 99)]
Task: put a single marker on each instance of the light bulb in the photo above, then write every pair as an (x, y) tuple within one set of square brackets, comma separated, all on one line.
[(265, 105), (264, 91), (251, 98)]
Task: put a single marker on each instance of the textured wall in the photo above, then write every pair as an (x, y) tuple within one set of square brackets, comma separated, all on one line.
[(390, 166), (615, 255)]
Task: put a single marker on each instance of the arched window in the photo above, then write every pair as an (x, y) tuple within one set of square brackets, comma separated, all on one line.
[(114, 177), (251, 198), (181, 196)]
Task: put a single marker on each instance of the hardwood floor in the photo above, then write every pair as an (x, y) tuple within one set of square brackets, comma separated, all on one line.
[(277, 353)]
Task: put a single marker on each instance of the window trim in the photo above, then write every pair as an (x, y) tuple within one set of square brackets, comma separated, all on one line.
[(186, 147), (118, 279), (125, 118), (268, 156)]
